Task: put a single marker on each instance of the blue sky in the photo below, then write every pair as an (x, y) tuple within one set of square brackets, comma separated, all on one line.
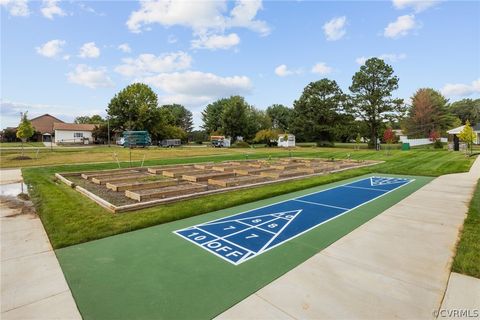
[(70, 58)]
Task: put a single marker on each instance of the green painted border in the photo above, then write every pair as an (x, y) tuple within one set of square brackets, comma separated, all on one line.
[(154, 274)]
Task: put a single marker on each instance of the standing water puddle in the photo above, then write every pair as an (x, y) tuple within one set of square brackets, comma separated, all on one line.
[(13, 189)]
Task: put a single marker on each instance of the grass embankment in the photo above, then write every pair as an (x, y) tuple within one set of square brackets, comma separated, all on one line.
[(71, 218), (467, 259)]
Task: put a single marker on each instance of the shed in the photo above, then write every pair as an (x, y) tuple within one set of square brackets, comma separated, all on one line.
[(286, 140)]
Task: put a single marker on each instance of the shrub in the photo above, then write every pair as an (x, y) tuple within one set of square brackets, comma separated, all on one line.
[(438, 144), (240, 144)]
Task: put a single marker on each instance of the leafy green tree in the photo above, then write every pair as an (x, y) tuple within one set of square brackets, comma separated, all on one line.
[(467, 109), (428, 112), (372, 88), (280, 116), (317, 111), (134, 108), (25, 130), (198, 136), (256, 120), (235, 117), (267, 136), (467, 135), (95, 119), (212, 116), (9, 134), (182, 117)]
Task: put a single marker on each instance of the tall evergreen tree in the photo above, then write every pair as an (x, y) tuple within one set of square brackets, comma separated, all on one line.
[(372, 88)]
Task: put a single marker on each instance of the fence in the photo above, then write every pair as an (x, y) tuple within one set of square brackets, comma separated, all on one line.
[(419, 142)]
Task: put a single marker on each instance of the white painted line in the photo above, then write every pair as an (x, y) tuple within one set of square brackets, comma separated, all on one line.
[(365, 188), (320, 204)]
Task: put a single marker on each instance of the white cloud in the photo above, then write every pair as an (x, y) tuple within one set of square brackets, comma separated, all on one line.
[(335, 28), (243, 15), (50, 9), (460, 89), (125, 48), (215, 42), (147, 64), (283, 71), (208, 20), (51, 49), (89, 50), (389, 57), (196, 84), (416, 5), (400, 27), (90, 77), (17, 8), (200, 16), (321, 68)]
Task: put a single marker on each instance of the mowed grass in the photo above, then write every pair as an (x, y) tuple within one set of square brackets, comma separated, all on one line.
[(71, 218), (19, 144), (467, 259)]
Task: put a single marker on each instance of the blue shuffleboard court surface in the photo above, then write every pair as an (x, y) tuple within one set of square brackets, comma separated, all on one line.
[(243, 236)]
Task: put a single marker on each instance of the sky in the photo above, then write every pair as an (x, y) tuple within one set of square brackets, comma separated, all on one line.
[(69, 58)]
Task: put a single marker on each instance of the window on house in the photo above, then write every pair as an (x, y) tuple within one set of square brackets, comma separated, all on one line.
[(78, 134)]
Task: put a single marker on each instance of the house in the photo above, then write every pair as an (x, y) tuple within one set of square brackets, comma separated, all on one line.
[(44, 127), (66, 133), (454, 141), (286, 140)]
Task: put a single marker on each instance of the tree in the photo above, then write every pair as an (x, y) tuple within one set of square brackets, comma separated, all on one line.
[(372, 100), (267, 136), (212, 116), (182, 117), (280, 116), (317, 111), (235, 117), (467, 109), (25, 130), (95, 119), (134, 108), (429, 112), (256, 120), (389, 137), (9, 134), (467, 135)]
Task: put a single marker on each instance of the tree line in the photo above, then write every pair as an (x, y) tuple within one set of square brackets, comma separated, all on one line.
[(323, 113)]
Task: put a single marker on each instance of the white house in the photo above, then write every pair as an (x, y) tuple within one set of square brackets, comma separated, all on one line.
[(286, 140), (73, 133)]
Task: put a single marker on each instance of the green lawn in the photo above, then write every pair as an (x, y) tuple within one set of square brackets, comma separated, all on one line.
[(467, 259), (19, 144), (71, 218)]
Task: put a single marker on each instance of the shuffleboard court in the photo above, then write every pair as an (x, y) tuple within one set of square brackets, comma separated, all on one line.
[(241, 237)]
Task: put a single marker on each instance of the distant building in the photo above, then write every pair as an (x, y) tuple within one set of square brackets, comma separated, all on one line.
[(454, 141), (286, 140), (73, 133), (44, 127)]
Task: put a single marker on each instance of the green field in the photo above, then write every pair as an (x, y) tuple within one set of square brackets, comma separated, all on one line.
[(467, 259), (71, 218), (19, 144), (155, 274)]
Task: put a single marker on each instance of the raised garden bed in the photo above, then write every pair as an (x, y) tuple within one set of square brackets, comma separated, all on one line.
[(164, 192)]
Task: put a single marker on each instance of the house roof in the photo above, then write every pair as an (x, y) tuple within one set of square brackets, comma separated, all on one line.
[(457, 130), (74, 126), (44, 123)]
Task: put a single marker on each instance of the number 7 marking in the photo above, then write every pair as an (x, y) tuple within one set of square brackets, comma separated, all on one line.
[(253, 235)]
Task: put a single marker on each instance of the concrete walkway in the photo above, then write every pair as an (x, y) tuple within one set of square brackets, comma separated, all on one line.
[(462, 298), (32, 283), (395, 266)]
